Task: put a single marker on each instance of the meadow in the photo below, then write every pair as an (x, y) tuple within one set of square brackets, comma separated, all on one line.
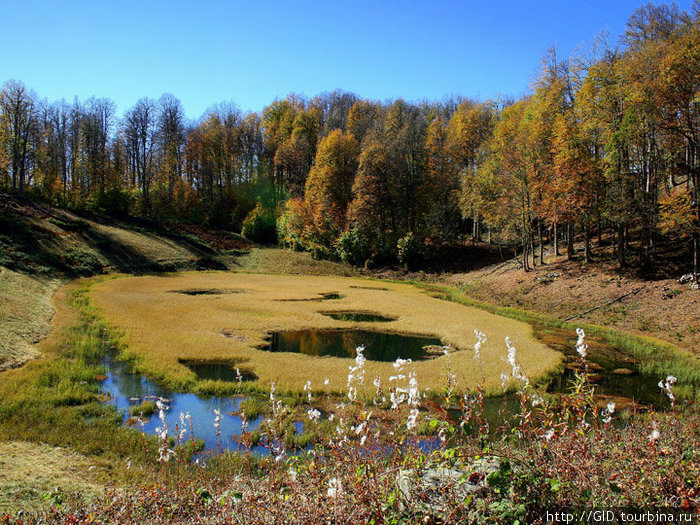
[(224, 317)]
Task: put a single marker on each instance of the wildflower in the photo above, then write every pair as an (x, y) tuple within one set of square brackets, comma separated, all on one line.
[(377, 382), (400, 363), (513, 362), (411, 423), (335, 488), (164, 452), (413, 393), (481, 339), (608, 412), (581, 346), (504, 381), (362, 440), (549, 435), (446, 349), (276, 404), (307, 389), (667, 387), (442, 435), (292, 474), (313, 414), (183, 428), (326, 381), (654, 435)]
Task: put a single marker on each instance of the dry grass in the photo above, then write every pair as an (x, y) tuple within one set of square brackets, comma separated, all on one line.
[(160, 327), (25, 311), (29, 471)]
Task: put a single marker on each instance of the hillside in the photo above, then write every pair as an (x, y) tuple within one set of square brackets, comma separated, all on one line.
[(596, 293), (42, 247)]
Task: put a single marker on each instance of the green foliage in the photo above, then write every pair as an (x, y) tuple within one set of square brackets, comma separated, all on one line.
[(115, 202), (408, 249), (352, 247), (70, 225), (83, 262), (259, 225)]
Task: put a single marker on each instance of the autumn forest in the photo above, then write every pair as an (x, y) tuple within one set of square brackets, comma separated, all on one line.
[(605, 147)]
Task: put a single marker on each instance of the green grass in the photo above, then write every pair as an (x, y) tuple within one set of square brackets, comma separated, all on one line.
[(280, 261)]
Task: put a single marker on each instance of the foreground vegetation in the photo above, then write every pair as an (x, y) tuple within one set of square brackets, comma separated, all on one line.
[(365, 464)]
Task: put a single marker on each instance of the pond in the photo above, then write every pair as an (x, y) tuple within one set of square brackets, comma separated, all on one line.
[(127, 388), (359, 317), (614, 374), (219, 371), (379, 346)]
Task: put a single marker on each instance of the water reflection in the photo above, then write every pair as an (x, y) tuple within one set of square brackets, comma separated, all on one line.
[(379, 346), (127, 388)]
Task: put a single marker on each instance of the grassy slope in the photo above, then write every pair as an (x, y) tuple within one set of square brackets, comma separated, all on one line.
[(25, 311), (29, 471)]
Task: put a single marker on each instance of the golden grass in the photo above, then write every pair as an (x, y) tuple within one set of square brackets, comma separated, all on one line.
[(160, 328), (28, 471)]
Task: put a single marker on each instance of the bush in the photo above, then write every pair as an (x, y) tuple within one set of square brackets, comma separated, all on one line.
[(408, 249), (113, 202), (352, 247), (83, 262), (292, 225), (259, 225)]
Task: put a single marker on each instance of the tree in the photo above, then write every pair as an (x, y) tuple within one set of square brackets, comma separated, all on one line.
[(171, 137), (140, 130), (439, 191), (469, 128), (329, 184), (17, 122)]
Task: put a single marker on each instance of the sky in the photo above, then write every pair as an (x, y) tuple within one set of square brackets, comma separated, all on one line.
[(250, 53)]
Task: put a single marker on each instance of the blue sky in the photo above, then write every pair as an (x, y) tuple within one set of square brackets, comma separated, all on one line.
[(252, 52)]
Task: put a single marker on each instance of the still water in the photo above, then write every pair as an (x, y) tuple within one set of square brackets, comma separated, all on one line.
[(379, 346)]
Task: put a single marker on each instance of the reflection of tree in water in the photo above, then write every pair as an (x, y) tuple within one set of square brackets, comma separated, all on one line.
[(342, 343)]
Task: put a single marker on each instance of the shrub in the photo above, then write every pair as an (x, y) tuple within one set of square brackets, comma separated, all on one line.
[(407, 249), (83, 262), (292, 224), (352, 247), (259, 225), (113, 202)]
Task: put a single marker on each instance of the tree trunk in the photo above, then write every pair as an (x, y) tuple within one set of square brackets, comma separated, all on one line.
[(696, 248), (539, 232), (587, 235), (570, 241), (556, 239), (621, 244), (526, 264)]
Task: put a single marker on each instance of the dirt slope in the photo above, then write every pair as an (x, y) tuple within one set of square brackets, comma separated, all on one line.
[(597, 293)]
